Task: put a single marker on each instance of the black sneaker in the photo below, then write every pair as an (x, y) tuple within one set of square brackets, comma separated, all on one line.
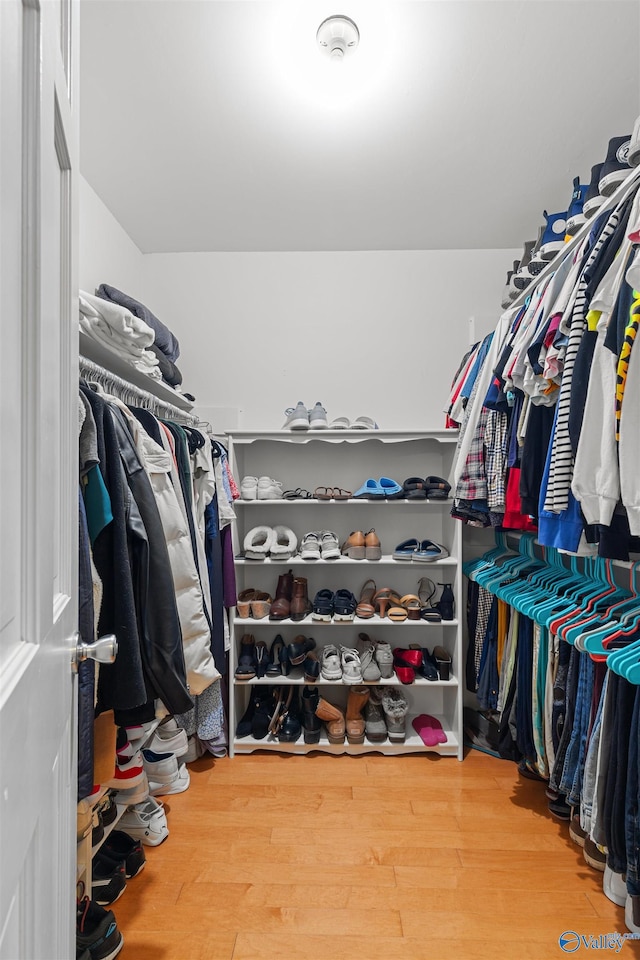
[(96, 932), (97, 827), (108, 809), (120, 846), (616, 167), (108, 879)]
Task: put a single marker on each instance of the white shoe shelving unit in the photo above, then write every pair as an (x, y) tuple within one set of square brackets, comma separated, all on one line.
[(347, 458)]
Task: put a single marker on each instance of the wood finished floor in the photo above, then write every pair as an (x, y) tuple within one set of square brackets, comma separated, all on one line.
[(335, 858)]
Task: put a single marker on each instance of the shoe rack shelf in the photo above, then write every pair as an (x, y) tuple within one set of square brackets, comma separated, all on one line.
[(347, 458), (412, 744)]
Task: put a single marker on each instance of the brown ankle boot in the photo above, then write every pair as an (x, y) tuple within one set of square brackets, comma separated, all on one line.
[(333, 718), (300, 606), (280, 608), (355, 725)]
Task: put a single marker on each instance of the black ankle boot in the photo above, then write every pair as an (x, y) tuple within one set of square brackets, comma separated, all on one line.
[(245, 725), (289, 721), (310, 722)]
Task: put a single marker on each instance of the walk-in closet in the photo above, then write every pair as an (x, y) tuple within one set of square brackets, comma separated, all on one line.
[(320, 564)]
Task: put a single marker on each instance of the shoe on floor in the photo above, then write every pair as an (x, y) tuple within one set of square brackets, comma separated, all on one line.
[(146, 821), (120, 846), (97, 931), (108, 879)]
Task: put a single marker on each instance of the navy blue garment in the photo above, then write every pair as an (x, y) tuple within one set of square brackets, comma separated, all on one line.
[(524, 694), (86, 669), (213, 550), (534, 456), (573, 771), (623, 694), (488, 679), (564, 712), (632, 803)]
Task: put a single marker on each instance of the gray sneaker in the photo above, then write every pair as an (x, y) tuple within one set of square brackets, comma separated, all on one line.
[(370, 668), (318, 417), (384, 659), (297, 417)]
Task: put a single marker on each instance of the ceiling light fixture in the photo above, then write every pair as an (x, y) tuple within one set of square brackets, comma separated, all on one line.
[(338, 36)]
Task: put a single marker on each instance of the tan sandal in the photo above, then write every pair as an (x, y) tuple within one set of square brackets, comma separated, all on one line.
[(412, 605), (323, 493), (365, 609)]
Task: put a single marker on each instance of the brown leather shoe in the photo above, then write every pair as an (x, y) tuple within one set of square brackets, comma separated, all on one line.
[(280, 608), (354, 546), (334, 720), (300, 606), (372, 546)]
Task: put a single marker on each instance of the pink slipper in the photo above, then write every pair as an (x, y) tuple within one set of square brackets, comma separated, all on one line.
[(429, 729)]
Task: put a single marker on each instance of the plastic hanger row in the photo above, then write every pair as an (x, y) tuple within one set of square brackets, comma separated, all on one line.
[(584, 606)]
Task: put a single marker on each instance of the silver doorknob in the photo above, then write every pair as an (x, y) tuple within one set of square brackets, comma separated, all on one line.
[(104, 650)]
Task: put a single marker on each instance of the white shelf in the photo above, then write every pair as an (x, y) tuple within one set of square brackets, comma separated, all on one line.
[(341, 457), (340, 561), (101, 354), (299, 681), (343, 436), (358, 622), (314, 502), (412, 744)]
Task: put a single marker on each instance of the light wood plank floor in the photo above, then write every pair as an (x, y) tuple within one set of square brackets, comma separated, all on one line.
[(309, 858)]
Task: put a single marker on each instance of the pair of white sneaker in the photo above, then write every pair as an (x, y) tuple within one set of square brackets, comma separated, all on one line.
[(260, 488)]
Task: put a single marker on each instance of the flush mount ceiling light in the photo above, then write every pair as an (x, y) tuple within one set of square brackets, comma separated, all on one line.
[(337, 37)]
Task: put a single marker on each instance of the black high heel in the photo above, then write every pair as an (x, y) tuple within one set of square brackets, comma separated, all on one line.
[(274, 668)]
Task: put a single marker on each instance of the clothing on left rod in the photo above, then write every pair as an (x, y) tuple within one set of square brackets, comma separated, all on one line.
[(156, 600)]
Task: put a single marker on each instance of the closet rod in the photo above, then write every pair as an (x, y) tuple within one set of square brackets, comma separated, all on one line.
[(577, 238), (127, 392)]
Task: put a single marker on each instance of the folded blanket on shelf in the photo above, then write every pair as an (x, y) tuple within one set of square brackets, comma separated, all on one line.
[(120, 331), (169, 371), (165, 340)]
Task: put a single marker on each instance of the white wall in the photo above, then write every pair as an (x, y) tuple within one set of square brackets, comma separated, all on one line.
[(107, 253), (375, 333)]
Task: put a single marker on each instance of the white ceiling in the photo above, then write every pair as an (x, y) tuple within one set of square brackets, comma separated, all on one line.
[(216, 124)]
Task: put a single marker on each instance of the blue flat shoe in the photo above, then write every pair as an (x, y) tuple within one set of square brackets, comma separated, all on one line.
[(429, 551), (406, 549), (392, 490), (371, 490)]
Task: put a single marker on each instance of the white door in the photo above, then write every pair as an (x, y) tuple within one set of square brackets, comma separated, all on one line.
[(38, 477)]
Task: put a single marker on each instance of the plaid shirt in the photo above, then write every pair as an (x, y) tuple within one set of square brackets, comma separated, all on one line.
[(472, 484), (496, 459)]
